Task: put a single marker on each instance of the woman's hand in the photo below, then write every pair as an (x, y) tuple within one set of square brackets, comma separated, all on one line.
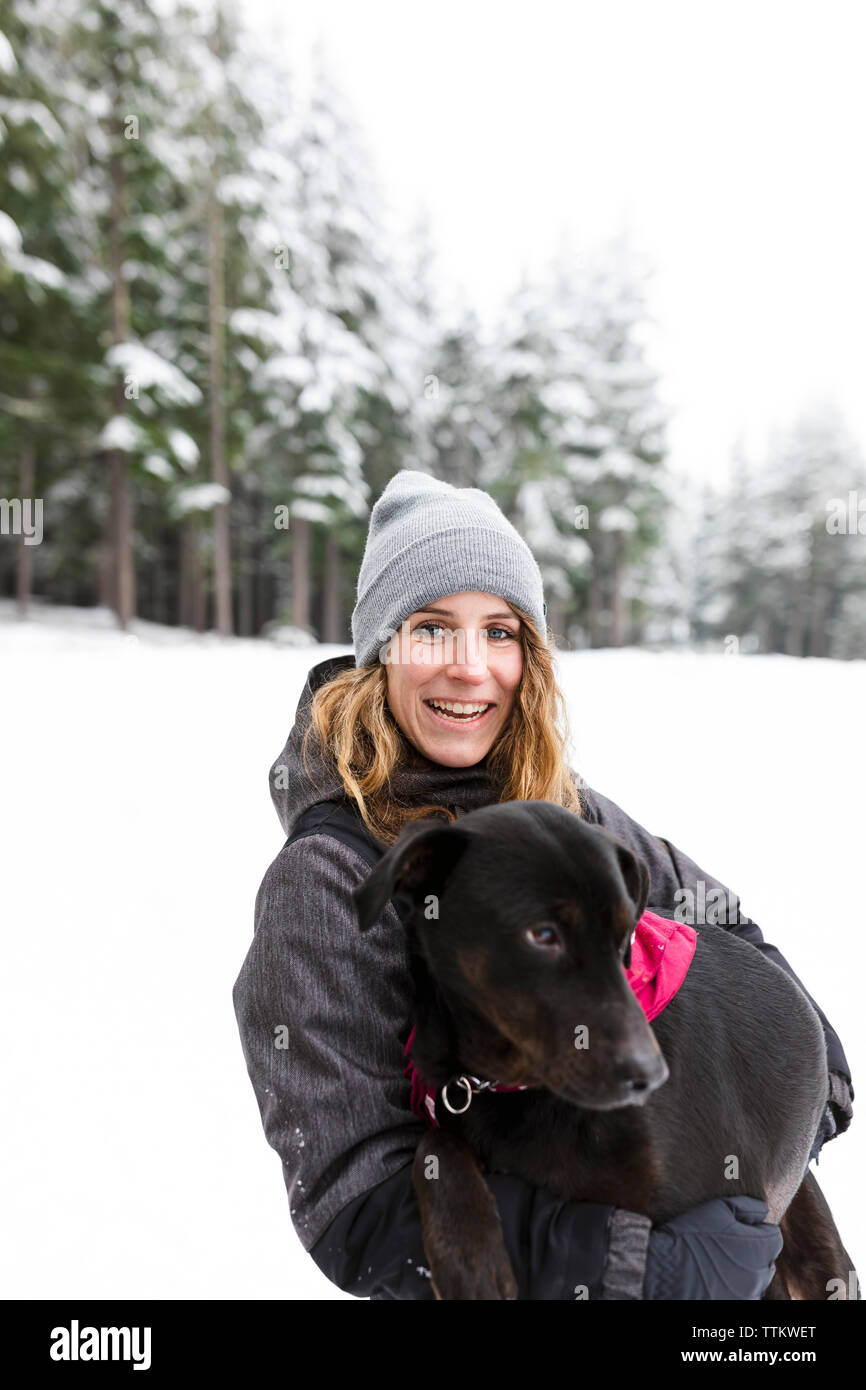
[(722, 1249)]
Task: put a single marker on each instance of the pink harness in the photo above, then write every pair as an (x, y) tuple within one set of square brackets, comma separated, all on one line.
[(661, 954)]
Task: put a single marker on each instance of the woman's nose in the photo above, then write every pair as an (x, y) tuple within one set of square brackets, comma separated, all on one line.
[(468, 656)]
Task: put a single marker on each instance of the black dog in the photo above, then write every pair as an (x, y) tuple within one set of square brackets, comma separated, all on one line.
[(521, 921)]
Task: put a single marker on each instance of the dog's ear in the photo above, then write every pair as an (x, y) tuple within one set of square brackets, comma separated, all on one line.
[(635, 871), (637, 881), (418, 863)]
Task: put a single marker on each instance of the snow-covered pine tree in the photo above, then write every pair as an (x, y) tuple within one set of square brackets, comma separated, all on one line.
[(534, 390), (809, 572), (222, 241), (615, 447), (459, 423), (342, 408), (46, 360), (117, 96)]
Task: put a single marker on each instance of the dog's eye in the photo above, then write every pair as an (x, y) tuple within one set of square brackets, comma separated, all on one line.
[(542, 936)]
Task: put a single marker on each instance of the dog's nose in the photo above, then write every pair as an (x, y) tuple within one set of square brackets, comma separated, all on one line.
[(640, 1073)]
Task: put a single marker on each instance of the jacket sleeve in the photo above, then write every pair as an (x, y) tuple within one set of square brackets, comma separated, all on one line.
[(671, 872), (323, 1012)]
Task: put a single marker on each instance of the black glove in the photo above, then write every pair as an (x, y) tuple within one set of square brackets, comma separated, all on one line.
[(721, 1249), (840, 1102), (838, 1113), (827, 1129)]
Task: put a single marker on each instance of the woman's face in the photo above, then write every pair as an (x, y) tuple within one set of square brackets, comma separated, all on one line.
[(463, 649)]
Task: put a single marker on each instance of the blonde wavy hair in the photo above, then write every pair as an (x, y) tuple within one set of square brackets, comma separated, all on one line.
[(350, 717)]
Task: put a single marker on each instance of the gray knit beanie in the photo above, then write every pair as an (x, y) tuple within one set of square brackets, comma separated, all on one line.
[(428, 539)]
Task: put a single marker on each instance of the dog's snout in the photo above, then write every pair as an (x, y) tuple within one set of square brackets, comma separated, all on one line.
[(640, 1073)]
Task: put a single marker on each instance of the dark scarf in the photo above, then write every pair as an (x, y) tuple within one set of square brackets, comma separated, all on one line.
[(417, 781)]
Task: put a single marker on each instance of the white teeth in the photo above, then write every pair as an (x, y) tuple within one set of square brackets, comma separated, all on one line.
[(449, 706)]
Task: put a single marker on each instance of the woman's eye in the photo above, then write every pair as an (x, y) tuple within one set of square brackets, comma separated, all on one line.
[(542, 936), (422, 627)]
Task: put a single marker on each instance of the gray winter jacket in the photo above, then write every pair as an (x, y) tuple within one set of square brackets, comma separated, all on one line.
[(324, 1012)]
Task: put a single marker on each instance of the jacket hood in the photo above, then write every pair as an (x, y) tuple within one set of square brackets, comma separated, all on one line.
[(296, 787)]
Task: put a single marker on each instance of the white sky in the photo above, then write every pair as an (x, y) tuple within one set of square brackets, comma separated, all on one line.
[(729, 138)]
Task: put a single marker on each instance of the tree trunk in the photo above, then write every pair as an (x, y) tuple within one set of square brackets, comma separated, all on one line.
[(332, 630), (190, 585), (159, 584), (124, 575), (264, 608), (26, 489), (222, 559), (183, 604), (123, 566), (835, 604), (300, 572), (594, 602), (245, 600), (106, 548), (795, 625), (818, 624), (198, 583), (617, 602), (246, 536)]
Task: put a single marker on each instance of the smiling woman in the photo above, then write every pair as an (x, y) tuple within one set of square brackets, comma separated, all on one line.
[(449, 703)]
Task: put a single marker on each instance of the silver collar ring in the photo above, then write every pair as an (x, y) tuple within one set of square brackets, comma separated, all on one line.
[(460, 1081)]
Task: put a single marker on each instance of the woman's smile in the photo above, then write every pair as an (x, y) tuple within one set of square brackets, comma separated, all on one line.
[(473, 712)]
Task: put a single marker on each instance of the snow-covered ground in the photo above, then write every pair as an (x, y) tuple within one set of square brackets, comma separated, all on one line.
[(135, 827)]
